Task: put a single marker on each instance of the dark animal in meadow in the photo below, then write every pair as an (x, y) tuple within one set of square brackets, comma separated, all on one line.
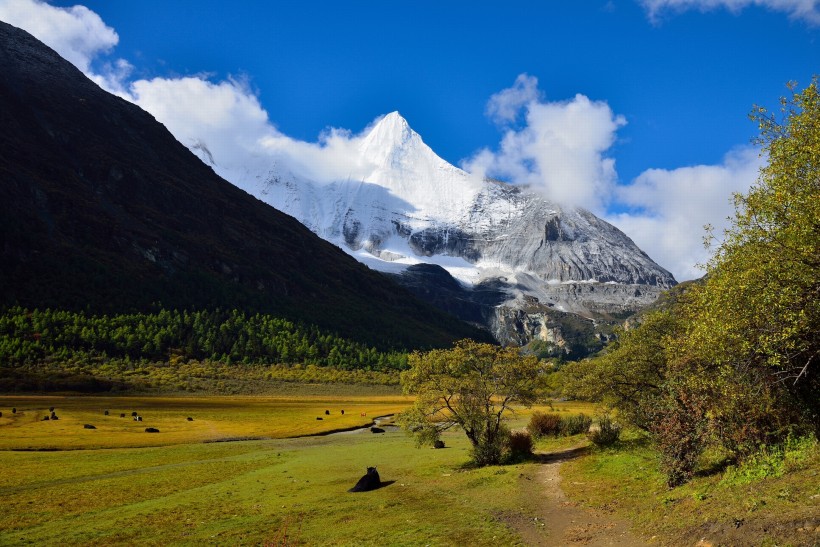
[(134, 414), (14, 410), (370, 481), (343, 412), (54, 416), (106, 413), (327, 413), (376, 430), (51, 409), (1, 414), (139, 418), (438, 444), (45, 418), (89, 426), (190, 419), (151, 430), (319, 418), (122, 415)]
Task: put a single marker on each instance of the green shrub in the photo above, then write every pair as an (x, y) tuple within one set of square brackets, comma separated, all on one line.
[(606, 434), (771, 461), (542, 424), (575, 425)]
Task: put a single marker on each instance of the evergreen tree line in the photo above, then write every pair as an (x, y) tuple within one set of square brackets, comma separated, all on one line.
[(228, 336)]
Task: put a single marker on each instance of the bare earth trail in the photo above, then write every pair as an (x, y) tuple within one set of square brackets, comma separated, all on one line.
[(553, 520)]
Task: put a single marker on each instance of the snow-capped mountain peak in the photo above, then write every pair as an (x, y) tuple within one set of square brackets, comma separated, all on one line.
[(406, 205)]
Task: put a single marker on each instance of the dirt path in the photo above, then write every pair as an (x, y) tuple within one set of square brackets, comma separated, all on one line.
[(550, 519)]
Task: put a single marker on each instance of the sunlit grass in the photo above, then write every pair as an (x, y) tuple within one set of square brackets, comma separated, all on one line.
[(253, 492), (768, 511), (214, 418)]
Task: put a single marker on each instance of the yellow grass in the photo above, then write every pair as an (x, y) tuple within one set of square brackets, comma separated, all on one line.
[(214, 419)]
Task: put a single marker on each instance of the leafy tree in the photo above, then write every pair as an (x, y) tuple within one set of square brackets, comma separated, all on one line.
[(470, 386), (735, 361), (631, 375)]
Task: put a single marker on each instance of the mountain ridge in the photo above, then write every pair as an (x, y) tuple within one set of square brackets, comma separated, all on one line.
[(407, 206), (103, 209)]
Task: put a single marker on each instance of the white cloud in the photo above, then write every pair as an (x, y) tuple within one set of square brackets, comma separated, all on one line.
[(505, 106), (806, 10), (76, 33), (673, 206), (225, 116), (560, 151)]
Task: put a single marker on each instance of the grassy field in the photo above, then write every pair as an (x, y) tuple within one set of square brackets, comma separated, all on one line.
[(214, 419), (119, 485), (739, 508)]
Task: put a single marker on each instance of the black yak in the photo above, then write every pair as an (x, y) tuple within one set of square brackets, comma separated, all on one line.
[(370, 481)]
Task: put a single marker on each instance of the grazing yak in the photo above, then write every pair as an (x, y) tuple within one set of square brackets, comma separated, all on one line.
[(438, 443), (375, 429), (370, 481)]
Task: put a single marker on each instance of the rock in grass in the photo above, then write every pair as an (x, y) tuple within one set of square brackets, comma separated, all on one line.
[(438, 444)]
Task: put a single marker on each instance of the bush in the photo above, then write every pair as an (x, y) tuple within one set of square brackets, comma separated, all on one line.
[(542, 424), (574, 425), (519, 445), (607, 433), (490, 451)]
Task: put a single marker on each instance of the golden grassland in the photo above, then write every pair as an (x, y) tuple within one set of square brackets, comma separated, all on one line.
[(215, 418)]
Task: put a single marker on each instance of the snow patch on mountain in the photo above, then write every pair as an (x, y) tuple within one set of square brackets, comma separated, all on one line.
[(399, 204)]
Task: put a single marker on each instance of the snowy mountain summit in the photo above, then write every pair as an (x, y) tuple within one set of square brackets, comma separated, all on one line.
[(402, 205)]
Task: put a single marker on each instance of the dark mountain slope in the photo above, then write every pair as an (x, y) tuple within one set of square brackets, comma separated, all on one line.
[(102, 209)]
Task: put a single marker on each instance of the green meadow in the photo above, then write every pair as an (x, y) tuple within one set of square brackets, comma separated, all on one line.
[(116, 484)]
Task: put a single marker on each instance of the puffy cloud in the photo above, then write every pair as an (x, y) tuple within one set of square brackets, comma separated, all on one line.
[(806, 10), (505, 106), (226, 117), (671, 208), (559, 151), (76, 33)]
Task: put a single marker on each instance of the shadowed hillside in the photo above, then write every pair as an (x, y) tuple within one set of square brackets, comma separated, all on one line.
[(101, 209)]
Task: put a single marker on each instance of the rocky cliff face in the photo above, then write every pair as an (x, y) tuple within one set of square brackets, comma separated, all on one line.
[(407, 206)]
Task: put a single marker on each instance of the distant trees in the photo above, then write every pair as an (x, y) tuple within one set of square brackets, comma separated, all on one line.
[(31, 336), (735, 360), (470, 386)]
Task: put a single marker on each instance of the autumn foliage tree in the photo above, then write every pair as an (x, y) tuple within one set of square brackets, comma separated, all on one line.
[(734, 361), (471, 386)]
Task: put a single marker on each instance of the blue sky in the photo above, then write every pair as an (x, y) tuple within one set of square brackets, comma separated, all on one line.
[(676, 79)]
